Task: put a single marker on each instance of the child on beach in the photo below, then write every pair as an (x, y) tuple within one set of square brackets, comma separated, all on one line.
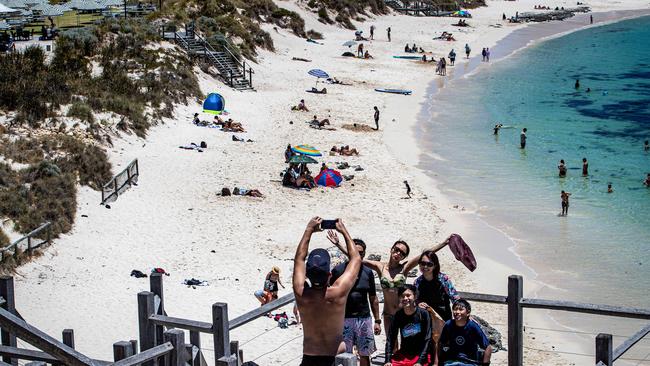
[(461, 339), (270, 290)]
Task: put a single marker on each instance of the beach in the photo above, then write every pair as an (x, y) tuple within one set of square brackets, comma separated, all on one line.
[(175, 220)]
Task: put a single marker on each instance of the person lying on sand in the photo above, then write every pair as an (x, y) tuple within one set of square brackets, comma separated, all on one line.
[(232, 126), (336, 81), (345, 150), (218, 121), (314, 90), (315, 122), (247, 192)]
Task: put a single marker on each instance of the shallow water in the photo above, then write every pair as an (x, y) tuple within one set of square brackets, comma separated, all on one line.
[(601, 252)]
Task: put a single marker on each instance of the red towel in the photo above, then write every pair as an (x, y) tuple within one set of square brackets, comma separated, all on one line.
[(462, 251)]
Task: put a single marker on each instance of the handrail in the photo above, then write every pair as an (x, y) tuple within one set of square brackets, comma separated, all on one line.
[(577, 307), (112, 184), (187, 324), (148, 355), (636, 337), (33, 355), (28, 237), (254, 314)]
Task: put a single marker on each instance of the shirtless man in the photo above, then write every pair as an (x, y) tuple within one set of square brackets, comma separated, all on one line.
[(322, 308), (564, 196)]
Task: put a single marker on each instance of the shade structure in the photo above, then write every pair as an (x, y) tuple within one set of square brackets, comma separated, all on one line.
[(302, 159), (318, 73), (306, 150), (214, 104), (329, 178), (84, 5), (7, 10)]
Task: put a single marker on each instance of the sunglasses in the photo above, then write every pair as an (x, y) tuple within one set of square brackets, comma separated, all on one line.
[(398, 250), (426, 264)]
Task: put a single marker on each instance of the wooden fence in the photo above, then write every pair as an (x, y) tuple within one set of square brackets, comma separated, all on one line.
[(162, 337), (29, 242), (120, 182)]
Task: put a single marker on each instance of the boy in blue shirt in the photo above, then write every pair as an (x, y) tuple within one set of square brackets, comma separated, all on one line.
[(461, 339)]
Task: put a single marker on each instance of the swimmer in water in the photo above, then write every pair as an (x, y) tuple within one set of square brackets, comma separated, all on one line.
[(610, 189), (588, 90), (646, 146), (585, 167), (498, 126), (562, 168), (577, 85), (564, 196)]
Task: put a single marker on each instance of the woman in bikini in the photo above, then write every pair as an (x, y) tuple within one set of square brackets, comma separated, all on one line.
[(392, 274)]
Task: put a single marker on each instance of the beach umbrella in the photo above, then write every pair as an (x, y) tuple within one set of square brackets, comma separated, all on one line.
[(349, 43), (302, 159), (214, 104), (306, 150), (319, 74), (461, 13), (329, 178)]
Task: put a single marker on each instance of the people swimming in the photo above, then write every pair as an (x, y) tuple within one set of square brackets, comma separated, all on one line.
[(562, 168), (497, 127)]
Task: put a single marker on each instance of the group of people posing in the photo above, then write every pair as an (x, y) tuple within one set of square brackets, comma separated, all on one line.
[(426, 323)]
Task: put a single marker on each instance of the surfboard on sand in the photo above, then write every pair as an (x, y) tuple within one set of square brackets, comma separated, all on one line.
[(409, 57), (395, 91)]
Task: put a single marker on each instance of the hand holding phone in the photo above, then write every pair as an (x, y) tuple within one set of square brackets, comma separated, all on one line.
[(328, 224)]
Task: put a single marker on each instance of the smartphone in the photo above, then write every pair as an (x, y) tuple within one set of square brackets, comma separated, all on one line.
[(328, 224)]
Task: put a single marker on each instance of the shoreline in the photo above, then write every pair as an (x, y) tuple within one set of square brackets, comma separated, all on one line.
[(469, 222)]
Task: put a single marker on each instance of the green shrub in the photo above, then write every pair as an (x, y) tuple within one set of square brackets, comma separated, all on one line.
[(81, 111), (314, 35), (323, 16)]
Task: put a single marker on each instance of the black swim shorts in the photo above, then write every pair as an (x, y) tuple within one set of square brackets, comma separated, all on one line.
[(309, 360)]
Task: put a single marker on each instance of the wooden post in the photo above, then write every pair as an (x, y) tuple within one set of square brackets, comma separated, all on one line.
[(177, 338), (220, 330), (137, 168), (117, 191), (604, 349), (250, 76), (134, 345), (68, 337), (122, 350), (234, 351), (7, 293), (345, 359), (128, 175), (230, 72), (515, 321), (29, 245), (156, 286), (146, 327), (195, 340)]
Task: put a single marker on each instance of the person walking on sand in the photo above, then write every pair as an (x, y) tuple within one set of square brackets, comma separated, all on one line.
[(322, 307), (483, 53), (408, 188), (467, 50), (376, 118), (487, 54), (360, 50), (562, 168), (372, 32), (585, 167), (564, 196), (452, 57), (522, 138), (388, 32)]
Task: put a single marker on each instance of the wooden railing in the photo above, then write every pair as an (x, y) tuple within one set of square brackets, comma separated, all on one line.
[(162, 339), (120, 182), (33, 242)]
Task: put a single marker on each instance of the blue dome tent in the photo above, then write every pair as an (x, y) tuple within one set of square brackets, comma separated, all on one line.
[(214, 104)]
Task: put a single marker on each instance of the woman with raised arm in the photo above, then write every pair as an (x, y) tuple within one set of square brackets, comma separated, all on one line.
[(392, 274)]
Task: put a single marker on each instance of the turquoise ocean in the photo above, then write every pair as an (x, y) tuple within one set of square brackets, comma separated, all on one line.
[(600, 252)]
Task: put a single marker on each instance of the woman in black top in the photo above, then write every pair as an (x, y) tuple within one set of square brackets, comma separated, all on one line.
[(413, 324)]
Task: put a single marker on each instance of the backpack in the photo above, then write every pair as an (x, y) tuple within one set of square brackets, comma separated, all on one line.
[(204, 145)]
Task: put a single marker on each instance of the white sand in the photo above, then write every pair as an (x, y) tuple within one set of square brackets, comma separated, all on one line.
[(174, 219)]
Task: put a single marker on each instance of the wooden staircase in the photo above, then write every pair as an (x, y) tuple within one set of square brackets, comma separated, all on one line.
[(232, 70)]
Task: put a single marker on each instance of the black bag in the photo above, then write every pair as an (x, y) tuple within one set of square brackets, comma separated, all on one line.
[(204, 145)]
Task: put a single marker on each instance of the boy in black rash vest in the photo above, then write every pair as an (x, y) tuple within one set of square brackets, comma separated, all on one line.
[(413, 324), (461, 338)]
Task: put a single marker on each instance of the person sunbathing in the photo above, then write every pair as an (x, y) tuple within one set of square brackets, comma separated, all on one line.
[(334, 150), (300, 107), (346, 151), (407, 49), (247, 192), (232, 126), (218, 121), (315, 122)]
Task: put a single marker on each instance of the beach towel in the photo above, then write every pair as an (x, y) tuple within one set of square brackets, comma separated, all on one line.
[(195, 282), (159, 270), (462, 251)]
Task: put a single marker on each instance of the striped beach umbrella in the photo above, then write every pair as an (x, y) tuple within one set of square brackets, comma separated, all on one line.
[(306, 150), (329, 178)]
